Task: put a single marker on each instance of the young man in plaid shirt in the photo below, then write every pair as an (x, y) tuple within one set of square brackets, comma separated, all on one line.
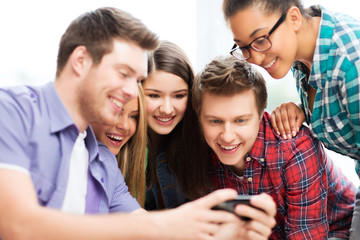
[(314, 199)]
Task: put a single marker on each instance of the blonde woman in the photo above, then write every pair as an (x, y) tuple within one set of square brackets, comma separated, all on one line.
[(129, 135)]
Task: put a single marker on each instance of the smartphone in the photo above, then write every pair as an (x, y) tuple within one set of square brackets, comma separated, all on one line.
[(230, 205)]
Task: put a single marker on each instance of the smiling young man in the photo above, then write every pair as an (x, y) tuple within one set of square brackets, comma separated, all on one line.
[(51, 175), (314, 199)]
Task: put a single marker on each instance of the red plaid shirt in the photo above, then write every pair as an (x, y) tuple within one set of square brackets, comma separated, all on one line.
[(314, 199)]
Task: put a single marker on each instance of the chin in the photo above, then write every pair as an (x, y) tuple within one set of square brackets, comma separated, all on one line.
[(278, 75)]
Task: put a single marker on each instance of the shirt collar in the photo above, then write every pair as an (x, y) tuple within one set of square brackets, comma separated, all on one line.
[(58, 115), (92, 144), (265, 136)]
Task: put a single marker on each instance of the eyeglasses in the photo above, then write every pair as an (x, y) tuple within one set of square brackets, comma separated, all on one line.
[(260, 44)]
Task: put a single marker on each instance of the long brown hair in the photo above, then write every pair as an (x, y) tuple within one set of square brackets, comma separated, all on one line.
[(184, 141)]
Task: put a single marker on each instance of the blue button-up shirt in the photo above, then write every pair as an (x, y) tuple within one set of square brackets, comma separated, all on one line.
[(335, 119), (37, 135)]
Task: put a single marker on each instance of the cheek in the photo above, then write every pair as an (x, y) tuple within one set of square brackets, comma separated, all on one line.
[(250, 132), (209, 135), (132, 129), (150, 107), (181, 107)]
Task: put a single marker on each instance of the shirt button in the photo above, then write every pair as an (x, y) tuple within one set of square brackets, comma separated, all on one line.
[(248, 159), (102, 180), (39, 191), (249, 179), (262, 159)]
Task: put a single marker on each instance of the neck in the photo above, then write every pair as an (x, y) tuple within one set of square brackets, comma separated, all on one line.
[(156, 139), (67, 94), (307, 38), (236, 171)]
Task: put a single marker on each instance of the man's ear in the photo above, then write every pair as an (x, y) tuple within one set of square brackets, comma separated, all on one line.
[(80, 60), (295, 18)]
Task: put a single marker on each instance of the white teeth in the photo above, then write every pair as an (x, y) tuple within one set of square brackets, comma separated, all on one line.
[(117, 138), (163, 119), (229, 147), (270, 64), (117, 103)]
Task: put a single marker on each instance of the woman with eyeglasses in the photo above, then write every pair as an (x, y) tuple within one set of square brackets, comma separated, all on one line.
[(322, 48)]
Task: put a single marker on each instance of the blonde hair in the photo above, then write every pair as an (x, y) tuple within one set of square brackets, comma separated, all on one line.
[(132, 156)]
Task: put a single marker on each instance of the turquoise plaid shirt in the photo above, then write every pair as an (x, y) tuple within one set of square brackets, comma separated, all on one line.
[(335, 77)]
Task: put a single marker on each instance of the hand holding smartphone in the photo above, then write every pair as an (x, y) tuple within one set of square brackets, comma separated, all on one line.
[(229, 205)]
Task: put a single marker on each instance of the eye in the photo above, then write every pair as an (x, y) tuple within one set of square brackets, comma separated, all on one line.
[(215, 121), (123, 74), (153, 96), (180, 96), (134, 117), (260, 41), (241, 121)]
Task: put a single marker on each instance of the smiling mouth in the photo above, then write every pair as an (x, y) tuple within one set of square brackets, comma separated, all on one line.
[(269, 65), (164, 119), (114, 138), (117, 103), (229, 148)]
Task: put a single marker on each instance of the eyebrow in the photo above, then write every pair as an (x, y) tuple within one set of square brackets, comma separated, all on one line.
[(158, 91), (251, 35), (239, 116)]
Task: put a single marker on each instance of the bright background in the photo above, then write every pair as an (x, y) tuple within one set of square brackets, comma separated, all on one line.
[(31, 30)]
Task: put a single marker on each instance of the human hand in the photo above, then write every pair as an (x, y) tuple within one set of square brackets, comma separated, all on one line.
[(196, 220), (287, 119), (260, 225)]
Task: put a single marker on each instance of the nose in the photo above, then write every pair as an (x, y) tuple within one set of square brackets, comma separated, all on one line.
[(166, 106), (227, 134), (130, 89), (256, 57)]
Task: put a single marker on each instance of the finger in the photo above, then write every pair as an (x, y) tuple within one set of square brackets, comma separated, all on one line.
[(205, 236), (255, 215), (300, 118), (210, 228), (215, 197), (285, 121), (253, 235), (264, 202), (258, 228), (273, 122), (278, 120), (292, 118), (220, 216)]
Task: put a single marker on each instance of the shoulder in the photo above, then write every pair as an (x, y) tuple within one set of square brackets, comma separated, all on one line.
[(19, 97), (19, 106), (340, 34)]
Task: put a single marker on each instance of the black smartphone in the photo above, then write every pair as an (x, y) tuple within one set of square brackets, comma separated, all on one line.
[(230, 205)]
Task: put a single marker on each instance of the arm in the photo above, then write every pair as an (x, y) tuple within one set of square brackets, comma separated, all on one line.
[(287, 119), (305, 181), (26, 219)]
